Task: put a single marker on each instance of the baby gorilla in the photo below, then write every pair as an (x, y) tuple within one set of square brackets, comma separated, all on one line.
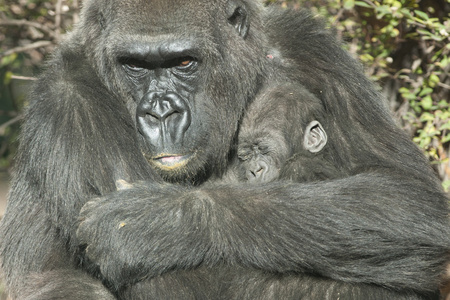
[(268, 141)]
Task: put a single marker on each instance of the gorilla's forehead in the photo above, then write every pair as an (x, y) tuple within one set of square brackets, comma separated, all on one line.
[(164, 16), (140, 46)]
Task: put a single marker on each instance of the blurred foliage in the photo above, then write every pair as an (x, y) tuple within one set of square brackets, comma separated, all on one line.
[(29, 30), (403, 44)]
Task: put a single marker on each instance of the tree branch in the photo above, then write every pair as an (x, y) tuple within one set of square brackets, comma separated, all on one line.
[(18, 77), (58, 22), (76, 16), (36, 25), (9, 123), (29, 47)]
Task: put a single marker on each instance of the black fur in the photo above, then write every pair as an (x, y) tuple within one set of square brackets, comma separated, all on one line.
[(379, 230)]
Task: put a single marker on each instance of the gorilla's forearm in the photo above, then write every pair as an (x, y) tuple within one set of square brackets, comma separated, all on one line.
[(246, 284), (199, 284), (238, 283), (66, 284), (365, 228), (381, 238)]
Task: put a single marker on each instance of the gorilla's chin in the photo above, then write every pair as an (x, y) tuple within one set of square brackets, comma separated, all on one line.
[(183, 169), (170, 161)]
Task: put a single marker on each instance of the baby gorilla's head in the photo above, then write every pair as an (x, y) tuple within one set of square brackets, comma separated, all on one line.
[(264, 153)]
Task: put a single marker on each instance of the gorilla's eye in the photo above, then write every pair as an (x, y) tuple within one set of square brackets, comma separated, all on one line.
[(263, 149), (244, 157), (134, 67), (185, 63), (182, 63), (244, 154)]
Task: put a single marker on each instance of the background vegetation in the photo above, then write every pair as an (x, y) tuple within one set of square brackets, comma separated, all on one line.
[(404, 45)]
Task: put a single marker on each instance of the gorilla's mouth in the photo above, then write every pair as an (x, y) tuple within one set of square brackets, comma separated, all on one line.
[(171, 161)]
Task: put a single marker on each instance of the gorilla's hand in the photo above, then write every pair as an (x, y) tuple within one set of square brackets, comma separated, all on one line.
[(140, 231)]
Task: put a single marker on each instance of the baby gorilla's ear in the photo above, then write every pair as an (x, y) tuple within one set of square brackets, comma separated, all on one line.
[(315, 137)]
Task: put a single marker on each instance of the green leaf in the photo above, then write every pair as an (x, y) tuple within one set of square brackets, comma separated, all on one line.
[(445, 139), (445, 126), (407, 94), (426, 117), (443, 104), (394, 32), (406, 12), (446, 185), (382, 11), (425, 91), (434, 78), (396, 4), (444, 62), (7, 78), (362, 4), (7, 60), (426, 103), (349, 4), (403, 90), (421, 14)]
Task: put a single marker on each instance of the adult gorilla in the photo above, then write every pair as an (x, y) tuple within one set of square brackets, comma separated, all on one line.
[(152, 92)]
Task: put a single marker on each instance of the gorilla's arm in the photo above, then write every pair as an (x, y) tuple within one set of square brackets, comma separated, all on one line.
[(369, 228), (255, 284), (235, 282), (63, 157)]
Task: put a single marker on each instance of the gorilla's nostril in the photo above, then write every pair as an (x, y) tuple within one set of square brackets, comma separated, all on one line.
[(257, 172), (152, 118)]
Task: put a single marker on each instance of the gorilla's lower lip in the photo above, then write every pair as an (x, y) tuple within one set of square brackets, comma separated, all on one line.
[(170, 162)]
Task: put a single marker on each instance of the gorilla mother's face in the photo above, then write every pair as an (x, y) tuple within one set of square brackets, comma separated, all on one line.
[(184, 77), (165, 81)]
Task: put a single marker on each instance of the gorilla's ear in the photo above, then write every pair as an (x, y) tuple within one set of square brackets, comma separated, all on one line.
[(315, 137), (238, 17)]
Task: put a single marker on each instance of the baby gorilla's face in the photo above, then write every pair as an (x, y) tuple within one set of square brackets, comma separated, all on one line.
[(262, 158), (259, 164)]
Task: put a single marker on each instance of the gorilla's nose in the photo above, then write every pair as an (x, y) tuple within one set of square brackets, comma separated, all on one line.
[(257, 171), (163, 118), (160, 106)]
